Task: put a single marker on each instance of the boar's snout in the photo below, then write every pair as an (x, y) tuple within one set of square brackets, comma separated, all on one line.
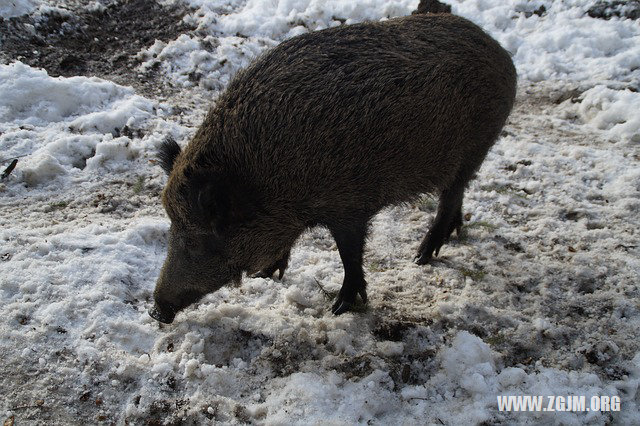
[(194, 267), (164, 314)]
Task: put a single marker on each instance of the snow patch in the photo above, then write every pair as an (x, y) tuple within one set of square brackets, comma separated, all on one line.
[(12, 8), (284, 19), (62, 125), (29, 96), (563, 42), (615, 111)]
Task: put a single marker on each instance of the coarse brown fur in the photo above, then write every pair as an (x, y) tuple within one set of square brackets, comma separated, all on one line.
[(327, 129)]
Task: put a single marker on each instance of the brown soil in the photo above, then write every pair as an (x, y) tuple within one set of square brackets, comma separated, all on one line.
[(101, 43)]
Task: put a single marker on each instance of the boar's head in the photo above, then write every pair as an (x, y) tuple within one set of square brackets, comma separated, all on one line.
[(206, 218)]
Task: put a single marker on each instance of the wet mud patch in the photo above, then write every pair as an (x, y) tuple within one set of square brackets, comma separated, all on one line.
[(393, 330), (281, 357), (358, 367), (101, 41), (165, 412), (416, 361), (219, 350)]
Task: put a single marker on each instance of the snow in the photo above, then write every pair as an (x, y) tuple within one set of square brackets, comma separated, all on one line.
[(29, 96), (563, 44), (615, 111), (12, 8), (283, 19), (67, 124), (539, 296)]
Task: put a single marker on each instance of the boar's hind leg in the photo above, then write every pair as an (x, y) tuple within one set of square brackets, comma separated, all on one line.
[(350, 242), (448, 219), (279, 266)]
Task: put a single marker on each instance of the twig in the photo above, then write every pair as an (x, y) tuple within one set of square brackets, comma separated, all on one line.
[(9, 169), (13, 158), (326, 293)]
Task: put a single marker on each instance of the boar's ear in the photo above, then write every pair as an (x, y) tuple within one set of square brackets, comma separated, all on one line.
[(167, 153)]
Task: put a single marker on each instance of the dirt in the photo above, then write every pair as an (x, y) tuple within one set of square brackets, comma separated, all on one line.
[(99, 42), (616, 8)]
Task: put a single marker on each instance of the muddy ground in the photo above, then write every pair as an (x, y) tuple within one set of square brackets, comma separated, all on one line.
[(94, 41), (104, 43)]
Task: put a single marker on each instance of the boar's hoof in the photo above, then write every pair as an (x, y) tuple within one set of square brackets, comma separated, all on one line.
[(342, 304), (280, 266), (439, 234), (164, 317), (268, 273), (425, 256), (340, 307)]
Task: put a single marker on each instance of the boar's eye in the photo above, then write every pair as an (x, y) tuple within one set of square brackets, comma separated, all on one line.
[(220, 201), (225, 205), (201, 244), (212, 209)]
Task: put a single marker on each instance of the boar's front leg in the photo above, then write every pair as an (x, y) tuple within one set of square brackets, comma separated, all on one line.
[(448, 219), (350, 238), (279, 266)]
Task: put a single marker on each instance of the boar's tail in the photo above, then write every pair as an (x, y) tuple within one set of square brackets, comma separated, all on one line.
[(431, 6)]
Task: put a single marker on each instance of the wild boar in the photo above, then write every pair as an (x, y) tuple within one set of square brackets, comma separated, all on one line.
[(325, 130)]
